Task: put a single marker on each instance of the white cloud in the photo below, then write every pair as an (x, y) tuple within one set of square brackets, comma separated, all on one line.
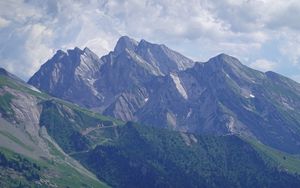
[(164, 19), (43, 27), (3, 22), (291, 47), (296, 78), (264, 65), (283, 14), (19, 12), (31, 30), (36, 46)]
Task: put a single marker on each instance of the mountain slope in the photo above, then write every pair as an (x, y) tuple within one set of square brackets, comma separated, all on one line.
[(46, 133), (29, 155), (153, 157), (222, 96)]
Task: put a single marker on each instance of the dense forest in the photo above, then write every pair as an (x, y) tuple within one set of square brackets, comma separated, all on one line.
[(150, 157)]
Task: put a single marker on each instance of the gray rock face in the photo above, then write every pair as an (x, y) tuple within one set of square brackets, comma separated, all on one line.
[(3, 72), (127, 74), (151, 84), (125, 43), (70, 75), (81, 77), (162, 58)]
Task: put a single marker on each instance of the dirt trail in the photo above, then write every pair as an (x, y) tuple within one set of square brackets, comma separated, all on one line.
[(91, 129)]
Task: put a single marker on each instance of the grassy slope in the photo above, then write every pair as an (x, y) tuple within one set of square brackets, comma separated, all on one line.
[(56, 172), (285, 160), (56, 115), (45, 173)]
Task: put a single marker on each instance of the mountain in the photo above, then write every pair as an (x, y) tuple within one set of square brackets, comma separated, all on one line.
[(156, 86), (105, 80), (49, 142)]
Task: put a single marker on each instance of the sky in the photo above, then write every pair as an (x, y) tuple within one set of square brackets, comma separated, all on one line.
[(263, 34)]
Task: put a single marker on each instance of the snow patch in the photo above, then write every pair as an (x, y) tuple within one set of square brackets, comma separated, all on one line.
[(178, 85), (193, 138), (189, 113), (231, 124), (186, 138), (146, 99), (247, 93), (286, 103), (90, 82), (34, 88), (171, 119)]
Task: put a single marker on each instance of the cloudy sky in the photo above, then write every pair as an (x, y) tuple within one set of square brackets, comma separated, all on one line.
[(264, 34)]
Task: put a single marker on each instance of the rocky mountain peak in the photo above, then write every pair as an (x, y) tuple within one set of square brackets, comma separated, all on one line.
[(125, 42), (87, 50), (273, 75), (145, 44), (154, 58), (68, 72), (228, 67), (162, 58), (77, 49), (74, 53), (224, 59), (3, 72)]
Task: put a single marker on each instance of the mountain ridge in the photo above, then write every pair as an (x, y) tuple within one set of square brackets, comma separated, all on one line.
[(154, 85)]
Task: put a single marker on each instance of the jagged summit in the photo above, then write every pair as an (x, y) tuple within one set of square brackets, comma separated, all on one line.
[(76, 55), (66, 73), (145, 44), (75, 51), (223, 58), (3, 71), (125, 42), (155, 58), (161, 57), (87, 50)]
